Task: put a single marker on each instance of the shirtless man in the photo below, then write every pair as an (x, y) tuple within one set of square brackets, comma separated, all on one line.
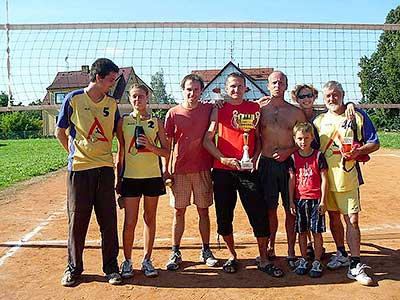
[(277, 120)]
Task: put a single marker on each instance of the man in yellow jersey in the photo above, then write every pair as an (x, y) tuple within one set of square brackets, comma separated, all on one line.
[(334, 131), (90, 116)]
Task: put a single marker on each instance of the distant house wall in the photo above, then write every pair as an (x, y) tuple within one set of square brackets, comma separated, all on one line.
[(55, 96)]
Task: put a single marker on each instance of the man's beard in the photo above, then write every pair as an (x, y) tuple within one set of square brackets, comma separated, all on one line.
[(333, 107)]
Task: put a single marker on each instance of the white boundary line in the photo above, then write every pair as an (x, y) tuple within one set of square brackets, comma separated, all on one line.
[(29, 235), (63, 243)]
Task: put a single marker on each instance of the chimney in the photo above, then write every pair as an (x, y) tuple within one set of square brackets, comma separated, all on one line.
[(85, 69)]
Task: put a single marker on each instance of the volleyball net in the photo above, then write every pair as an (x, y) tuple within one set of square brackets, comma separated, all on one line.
[(307, 53)]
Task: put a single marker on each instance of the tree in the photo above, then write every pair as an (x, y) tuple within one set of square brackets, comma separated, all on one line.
[(159, 95), (380, 75), (4, 99)]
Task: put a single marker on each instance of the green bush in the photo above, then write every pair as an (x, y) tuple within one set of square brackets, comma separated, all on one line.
[(382, 122), (15, 125)]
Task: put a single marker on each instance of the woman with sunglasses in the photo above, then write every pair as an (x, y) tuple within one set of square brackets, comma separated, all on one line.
[(305, 95)]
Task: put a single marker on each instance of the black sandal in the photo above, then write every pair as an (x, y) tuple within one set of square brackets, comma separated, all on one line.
[(230, 266), (271, 270)]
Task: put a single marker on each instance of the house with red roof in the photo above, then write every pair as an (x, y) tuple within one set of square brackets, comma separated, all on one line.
[(68, 81), (256, 82)]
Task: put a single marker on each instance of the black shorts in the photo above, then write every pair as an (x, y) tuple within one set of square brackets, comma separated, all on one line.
[(307, 216), (226, 184), (136, 187), (273, 178)]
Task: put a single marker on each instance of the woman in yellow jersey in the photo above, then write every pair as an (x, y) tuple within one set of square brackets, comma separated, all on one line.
[(142, 141)]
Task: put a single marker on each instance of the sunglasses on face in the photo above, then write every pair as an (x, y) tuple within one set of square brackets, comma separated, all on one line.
[(310, 95)]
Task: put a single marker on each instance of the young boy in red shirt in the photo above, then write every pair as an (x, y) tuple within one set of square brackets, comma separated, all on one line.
[(308, 185)]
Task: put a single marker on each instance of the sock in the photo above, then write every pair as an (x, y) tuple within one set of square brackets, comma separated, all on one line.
[(354, 261), (206, 247), (175, 248), (342, 250)]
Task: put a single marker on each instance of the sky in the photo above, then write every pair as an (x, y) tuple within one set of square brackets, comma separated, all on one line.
[(318, 11)]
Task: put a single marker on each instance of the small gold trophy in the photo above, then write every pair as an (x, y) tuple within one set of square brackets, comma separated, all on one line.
[(245, 122)]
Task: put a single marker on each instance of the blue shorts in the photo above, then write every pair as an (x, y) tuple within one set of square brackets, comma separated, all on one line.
[(136, 187), (307, 216)]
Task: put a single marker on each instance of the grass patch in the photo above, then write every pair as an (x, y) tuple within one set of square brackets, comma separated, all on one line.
[(389, 139), (24, 159)]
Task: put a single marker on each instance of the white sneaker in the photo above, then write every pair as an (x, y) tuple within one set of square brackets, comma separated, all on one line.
[(316, 269), (68, 278), (207, 257), (359, 274), (174, 262), (338, 261), (301, 267), (126, 269), (114, 278), (148, 268)]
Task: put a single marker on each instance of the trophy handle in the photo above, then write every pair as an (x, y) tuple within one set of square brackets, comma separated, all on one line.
[(256, 118), (235, 116)]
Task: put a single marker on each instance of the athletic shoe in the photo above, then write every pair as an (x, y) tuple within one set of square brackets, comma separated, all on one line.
[(114, 278), (359, 274), (175, 260), (207, 257), (316, 269), (126, 269), (301, 268), (68, 278), (148, 268), (338, 261)]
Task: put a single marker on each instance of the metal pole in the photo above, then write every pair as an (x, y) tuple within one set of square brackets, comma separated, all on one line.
[(8, 58)]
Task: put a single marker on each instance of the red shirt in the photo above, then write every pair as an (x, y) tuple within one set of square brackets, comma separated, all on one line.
[(307, 172), (230, 139), (187, 127)]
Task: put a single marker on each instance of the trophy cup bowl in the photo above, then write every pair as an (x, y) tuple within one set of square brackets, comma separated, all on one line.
[(245, 122)]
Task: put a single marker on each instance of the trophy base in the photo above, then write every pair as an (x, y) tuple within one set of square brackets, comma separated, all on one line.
[(246, 165)]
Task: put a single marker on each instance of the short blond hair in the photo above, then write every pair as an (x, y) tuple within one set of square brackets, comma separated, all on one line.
[(304, 127)]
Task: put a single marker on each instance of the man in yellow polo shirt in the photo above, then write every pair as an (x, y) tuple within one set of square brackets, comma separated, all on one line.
[(335, 133), (90, 116)]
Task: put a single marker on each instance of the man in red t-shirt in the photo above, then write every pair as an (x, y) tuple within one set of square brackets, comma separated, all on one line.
[(190, 166), (229, 175)]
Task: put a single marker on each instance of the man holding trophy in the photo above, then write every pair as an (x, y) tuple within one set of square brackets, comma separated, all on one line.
[(235, 153)]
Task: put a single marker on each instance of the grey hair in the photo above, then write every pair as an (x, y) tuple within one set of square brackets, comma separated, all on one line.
[(333, 84)]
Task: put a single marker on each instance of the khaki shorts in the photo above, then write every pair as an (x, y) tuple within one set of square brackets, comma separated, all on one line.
[(346, 202), (197, 184)]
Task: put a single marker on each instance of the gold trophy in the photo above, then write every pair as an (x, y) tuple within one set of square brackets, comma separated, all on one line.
[(245, 122)]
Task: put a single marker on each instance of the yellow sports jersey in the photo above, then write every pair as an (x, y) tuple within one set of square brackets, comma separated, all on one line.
[(333, 130), (91, 126), (140, 163)]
